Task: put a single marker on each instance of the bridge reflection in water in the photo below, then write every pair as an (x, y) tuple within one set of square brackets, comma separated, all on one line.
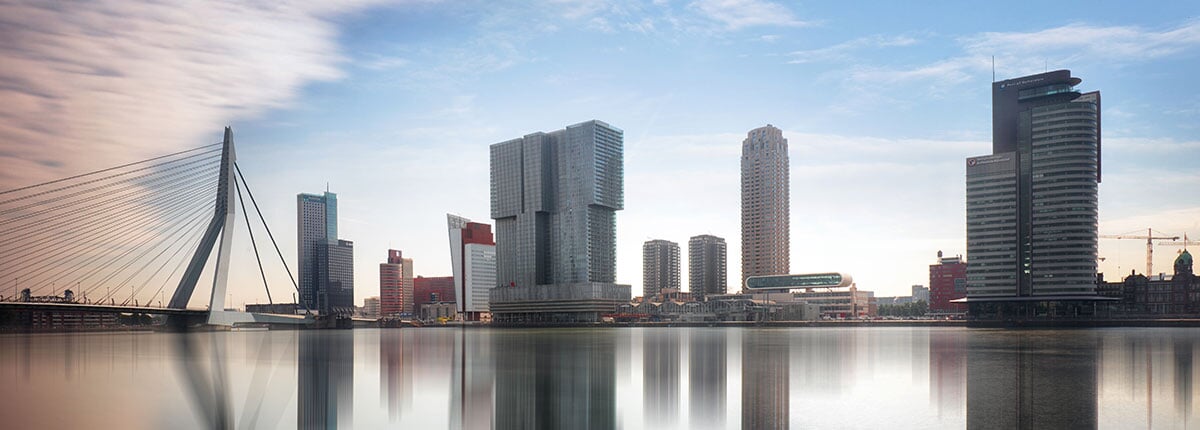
[(693, 378)]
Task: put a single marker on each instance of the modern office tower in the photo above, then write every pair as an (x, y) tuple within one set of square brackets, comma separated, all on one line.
[(438, 289), (326, 264), (396, 285), (473, 259), (947, 281), (554, 197), (765, 212), (1031, 204), (660, 267), (338, 289), (706, 265)]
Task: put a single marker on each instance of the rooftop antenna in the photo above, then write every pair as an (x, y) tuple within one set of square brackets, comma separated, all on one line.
[(993, 68)]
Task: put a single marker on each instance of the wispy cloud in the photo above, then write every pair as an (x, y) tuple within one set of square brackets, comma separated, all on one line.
[(1018, 53), (738, 14), (844, 51), (97, 83), (1078, 41)]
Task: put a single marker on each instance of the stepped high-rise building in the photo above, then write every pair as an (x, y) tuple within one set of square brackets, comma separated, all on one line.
[(326, 264), (555, 198), (706, 265), (765, 215), (660, 267), (473, 259), (396, 285), (1031, 204)]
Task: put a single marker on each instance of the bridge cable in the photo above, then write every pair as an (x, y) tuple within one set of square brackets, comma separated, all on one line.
[(104, 170), (250, 230), (272, 237), (125, 222)]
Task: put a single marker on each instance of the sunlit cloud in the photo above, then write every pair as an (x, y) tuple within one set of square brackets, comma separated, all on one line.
[(100, 83)]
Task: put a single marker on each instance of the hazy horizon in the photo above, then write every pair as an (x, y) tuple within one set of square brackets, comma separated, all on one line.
[(392, 105)]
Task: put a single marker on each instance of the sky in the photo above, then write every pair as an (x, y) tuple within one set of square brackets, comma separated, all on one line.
[(393, 104)]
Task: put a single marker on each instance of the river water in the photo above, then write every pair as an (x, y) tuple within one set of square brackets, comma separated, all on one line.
[(630, 378)]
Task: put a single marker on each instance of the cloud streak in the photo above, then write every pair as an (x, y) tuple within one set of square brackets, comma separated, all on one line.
[(738, 14), (99, 83)]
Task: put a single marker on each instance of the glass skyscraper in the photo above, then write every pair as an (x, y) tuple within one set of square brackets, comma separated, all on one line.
[(326, 264), (1032, 203)]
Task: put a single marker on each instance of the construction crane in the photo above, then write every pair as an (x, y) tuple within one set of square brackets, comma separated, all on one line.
[(1150, 238), (1184, 243)]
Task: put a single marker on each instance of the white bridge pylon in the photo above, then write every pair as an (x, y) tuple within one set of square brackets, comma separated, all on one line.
[(222, 224)]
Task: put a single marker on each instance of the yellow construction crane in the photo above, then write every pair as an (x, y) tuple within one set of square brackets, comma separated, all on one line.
[(1184, 243), (1150, 238)]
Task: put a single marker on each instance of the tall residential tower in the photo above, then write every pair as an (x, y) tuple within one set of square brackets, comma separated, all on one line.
[(765, 215), (1031, 204), (706, 265), (660, 267), (555, 198)]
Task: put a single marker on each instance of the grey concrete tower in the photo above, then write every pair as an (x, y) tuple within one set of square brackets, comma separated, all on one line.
[(660, 267), (765, 214), (554, 198)]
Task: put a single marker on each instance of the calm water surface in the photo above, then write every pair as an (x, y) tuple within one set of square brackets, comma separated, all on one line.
[(631, 378)]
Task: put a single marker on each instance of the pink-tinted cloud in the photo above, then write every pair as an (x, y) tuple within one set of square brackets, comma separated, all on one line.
[(93, 84)]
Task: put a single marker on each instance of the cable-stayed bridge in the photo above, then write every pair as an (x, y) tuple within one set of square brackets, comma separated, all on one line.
[(134, 238)]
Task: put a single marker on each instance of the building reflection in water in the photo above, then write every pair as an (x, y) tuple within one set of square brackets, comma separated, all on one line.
[(325, 370), (947, 371), (1150, 378), (660, 377), (765, 378), (396, 371), (1183, 377), (560, 379), (706, 377), (472, 380), (1032, 379)]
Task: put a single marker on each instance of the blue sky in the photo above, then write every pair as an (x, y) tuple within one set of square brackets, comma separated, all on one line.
[(393, 104)]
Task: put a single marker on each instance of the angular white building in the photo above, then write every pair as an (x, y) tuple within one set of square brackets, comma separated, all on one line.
[(473, 260)]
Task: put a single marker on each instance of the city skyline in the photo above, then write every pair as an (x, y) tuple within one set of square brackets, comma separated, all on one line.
[(380, 101)]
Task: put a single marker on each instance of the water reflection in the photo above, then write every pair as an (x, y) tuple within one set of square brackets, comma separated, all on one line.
[(1032, 379), (326, 380), (556, 379), (707, 366), (682, 378), (765, 379)]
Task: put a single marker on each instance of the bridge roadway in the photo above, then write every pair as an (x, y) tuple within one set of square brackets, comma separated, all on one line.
[(100, 308), (228, 318)]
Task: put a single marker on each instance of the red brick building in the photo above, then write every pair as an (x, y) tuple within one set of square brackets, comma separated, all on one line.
[(947, 281), (432, 290)]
